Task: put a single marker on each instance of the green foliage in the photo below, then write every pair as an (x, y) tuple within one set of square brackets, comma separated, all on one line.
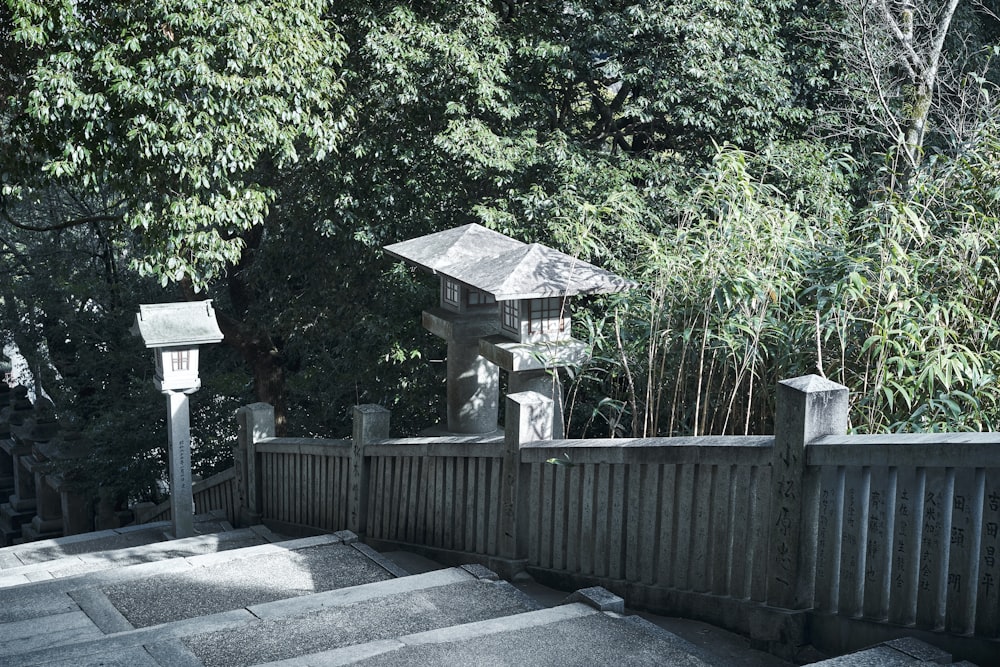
[(163, 114), (898, 302), (263, 152), (663, 75)]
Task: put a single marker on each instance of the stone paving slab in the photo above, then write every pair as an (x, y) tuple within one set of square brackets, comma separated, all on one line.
[(223, 584), (136, 656), (902, 652), (32, 635), (169, 642), (12, 598), (92, 561), (103, 540), (359, 623), (572, 634), (118, 600), (104, 650)]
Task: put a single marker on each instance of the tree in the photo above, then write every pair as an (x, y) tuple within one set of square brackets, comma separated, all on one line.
[(161, 120), (908, 75)]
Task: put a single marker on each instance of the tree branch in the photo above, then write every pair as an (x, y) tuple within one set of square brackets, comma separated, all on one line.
[(912, 61), (877, 80), (938, 48), (75, 222)]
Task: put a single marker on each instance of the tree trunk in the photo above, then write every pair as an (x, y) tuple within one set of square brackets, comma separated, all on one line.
[(923, 70), (258, 349)]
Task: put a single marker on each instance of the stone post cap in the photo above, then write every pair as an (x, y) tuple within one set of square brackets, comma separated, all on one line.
[(529, 398), (812, 384)]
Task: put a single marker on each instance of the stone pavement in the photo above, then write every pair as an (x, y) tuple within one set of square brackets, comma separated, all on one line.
[(325, 599), (719, 647), (246, 597)]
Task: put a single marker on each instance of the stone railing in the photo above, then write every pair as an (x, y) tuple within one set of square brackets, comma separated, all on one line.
[(907, 533), (807, 536)]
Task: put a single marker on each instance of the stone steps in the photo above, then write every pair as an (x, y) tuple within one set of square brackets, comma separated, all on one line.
[(319, 600), (570, 634), (322, 600), (40, 551)]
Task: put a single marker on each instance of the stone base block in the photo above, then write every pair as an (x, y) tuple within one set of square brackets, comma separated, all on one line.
[(41, 530), (780, 632), (12, 519), (9, 537), (247, 518), (20, 504), (837, 635)]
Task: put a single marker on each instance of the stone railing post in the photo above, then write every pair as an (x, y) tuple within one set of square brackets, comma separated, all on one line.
[(529, 418), (807, 407), (371, 422), (256, 422)]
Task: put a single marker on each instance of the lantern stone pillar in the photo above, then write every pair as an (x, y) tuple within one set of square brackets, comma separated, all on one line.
[(524, 288), (23, 423), (6, 462), (473, 382), (47, 522), (179, 439), (75, 507), (535, 367), (20, 507)]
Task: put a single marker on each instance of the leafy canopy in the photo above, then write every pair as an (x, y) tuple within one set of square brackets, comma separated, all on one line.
[(165, 116)]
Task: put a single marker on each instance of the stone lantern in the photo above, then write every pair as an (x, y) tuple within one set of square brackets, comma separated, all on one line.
[(517, 293), (465, 315), (174, 331)]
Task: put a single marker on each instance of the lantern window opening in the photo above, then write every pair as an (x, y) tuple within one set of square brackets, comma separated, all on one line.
[(451, 292), (510, 316), (180, 360), (547, 316)]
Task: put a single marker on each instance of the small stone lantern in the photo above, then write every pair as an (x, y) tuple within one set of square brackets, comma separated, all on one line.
[(174, 331)]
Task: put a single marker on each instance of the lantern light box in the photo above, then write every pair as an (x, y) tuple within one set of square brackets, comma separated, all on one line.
[(174, 331)]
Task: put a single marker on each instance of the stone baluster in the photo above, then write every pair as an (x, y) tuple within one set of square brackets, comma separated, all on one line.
[(371, 422), (807, 408), (47, 522), (256, 422)]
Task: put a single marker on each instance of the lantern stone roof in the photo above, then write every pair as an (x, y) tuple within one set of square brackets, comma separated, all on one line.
[(441, 249), (504, 267), (177, 324)]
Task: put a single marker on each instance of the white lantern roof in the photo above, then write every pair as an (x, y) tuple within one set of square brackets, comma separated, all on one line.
[(184, 324), (437, 251), (506, 268)]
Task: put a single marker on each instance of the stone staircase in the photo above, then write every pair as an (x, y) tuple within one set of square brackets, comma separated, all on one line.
[(229, 597), (246, 597)]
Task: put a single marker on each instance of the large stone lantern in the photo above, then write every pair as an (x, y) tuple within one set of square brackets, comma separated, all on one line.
[(464, 315), (174, 331), (509, 299)]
